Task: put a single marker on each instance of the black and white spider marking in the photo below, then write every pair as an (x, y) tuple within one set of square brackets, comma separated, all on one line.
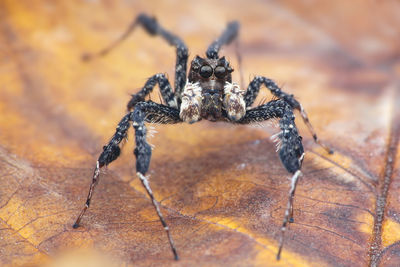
[(208, 92)]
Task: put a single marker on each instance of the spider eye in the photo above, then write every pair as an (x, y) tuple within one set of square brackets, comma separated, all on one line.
[(206, 71), (220, 71)]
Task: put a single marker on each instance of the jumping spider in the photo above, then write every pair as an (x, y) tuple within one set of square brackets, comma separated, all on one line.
[(206, 93)]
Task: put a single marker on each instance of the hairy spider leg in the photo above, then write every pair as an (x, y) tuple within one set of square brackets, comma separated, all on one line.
[(144, 111), (291, 152), (254, 88), (143, 150), (291, 149), (110, 153), (227, 36), (165, 89), (152, 27)]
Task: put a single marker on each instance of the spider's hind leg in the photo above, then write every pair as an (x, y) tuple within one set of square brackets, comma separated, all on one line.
[(253, 90), (312, 131), (152, 27), (228, 35)]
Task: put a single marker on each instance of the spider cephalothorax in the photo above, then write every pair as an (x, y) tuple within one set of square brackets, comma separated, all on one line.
[(207, 92)]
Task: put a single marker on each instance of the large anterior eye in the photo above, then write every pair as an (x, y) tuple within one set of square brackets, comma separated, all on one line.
[(206, 71), (220, 71)]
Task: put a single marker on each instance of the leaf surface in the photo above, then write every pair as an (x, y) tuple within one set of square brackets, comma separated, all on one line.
[(222, 188)]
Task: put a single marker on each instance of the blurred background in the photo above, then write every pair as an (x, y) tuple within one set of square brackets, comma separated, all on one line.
[(222, 188)]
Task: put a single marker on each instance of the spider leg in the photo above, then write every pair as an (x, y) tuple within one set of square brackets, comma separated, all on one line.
[(152, 27), (239, 61), (144, 112), (291, 152), (110, 153), (165, 89), (227, 36), (153, 112), (288, 218), (253, 90)]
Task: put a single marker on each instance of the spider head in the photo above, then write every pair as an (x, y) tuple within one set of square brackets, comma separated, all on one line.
[(211, 75)]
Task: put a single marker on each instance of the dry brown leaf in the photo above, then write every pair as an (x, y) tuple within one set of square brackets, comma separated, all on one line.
[(222, 188)]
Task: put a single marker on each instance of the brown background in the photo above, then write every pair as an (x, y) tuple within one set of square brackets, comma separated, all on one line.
[(222, 187)]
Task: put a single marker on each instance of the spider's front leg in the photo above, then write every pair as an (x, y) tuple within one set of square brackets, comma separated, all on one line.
[(253, 90), (144, 112), (291, 152), (154, 113), (111, 152)]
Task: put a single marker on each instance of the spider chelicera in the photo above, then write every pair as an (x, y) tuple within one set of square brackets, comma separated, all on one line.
[(206, 93)]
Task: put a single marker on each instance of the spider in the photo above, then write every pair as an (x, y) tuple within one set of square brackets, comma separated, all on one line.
[(206, 93)]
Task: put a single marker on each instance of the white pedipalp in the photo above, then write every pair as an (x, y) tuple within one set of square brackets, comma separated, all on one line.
[(191, 103), (234, 101)]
